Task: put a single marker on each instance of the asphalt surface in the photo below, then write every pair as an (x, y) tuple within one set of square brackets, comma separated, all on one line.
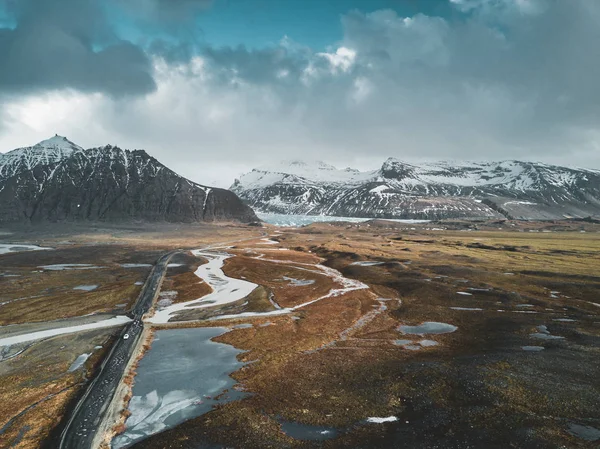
[(86, 417)]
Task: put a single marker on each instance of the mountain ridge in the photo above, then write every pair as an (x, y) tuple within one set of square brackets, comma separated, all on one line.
[(57, 180), (432, 190)]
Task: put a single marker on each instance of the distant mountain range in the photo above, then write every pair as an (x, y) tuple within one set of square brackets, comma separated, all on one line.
[(509, 189), (57, 180)]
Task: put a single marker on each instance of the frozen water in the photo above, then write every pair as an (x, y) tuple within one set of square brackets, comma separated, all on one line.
[(365, 263), (79, 361), (69, 266), (225, 290), (298, 282), (87, 288), (6, 248), (136, 265), (429, 327), (465, 308), (375, 420), (177, 381), (543, 336), (587, 433), (115, 321), (532, 348)]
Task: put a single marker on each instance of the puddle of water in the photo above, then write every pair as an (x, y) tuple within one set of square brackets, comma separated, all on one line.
[(177, 381), (305, 432), (532, 348), (136, 265), (79, 361), (464, 293), (564, 320), (429, 327), (587, 433), (86, 288), (465, 308)]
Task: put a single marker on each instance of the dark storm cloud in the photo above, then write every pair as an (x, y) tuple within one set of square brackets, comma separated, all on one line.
[(494, 80), (69, 44)]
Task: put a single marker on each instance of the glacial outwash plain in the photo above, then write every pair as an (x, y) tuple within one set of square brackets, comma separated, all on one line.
[(379, 334)]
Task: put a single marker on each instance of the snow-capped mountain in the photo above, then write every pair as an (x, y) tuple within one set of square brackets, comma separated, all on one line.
[(512, 189), (56, 180)]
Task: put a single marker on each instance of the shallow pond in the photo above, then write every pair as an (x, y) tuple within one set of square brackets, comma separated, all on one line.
[(178, 379)]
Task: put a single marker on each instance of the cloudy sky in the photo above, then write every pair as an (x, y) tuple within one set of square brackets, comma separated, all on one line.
[(214, 88)]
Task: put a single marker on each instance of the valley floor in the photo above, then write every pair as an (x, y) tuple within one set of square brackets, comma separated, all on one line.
[(376, 334)]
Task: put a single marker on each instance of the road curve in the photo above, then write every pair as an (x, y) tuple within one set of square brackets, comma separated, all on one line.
[(84, 420)]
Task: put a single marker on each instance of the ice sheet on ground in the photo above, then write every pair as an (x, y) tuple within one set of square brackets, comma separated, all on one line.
[(376, 420), (6, 248), (225, 290), (159, 402), (110, 322), (79, 361), (298, 282), (366, 263), (69, 266), (86, 288), (136, 265), (544, 334), (429, 327), (587, 433), (268, 241)]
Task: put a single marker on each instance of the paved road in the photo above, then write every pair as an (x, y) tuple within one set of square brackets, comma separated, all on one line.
[(87, 415)]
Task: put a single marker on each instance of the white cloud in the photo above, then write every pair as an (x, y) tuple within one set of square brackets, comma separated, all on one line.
[(342, 59)]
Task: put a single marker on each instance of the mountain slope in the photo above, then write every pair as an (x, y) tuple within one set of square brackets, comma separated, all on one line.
[(513, 189), (56, 180)]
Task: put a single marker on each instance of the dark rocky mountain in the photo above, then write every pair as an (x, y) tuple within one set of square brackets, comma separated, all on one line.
[(510, 189), (57, 180)]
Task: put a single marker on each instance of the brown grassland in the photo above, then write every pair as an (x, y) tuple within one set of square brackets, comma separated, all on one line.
[(336, 362)]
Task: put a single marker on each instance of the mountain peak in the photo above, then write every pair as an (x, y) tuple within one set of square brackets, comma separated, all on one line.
[(58, 143)]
